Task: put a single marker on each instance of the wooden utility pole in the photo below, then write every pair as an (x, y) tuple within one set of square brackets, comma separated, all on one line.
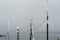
[(47, 23), (31, 35), (47, 28)]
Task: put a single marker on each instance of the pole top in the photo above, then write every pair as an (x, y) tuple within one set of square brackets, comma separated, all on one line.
[(47, 11), (17, 27)]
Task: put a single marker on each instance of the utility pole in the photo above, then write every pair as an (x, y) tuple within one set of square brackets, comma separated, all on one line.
[(17, 33), (47, 23), (47, 28), (8, 30), (7, 34), (31, 35), (47, 35)]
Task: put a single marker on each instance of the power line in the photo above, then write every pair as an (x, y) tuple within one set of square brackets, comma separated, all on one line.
[(37, 26)]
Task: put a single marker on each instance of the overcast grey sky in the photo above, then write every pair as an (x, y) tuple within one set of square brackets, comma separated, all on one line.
[(19, 13)]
